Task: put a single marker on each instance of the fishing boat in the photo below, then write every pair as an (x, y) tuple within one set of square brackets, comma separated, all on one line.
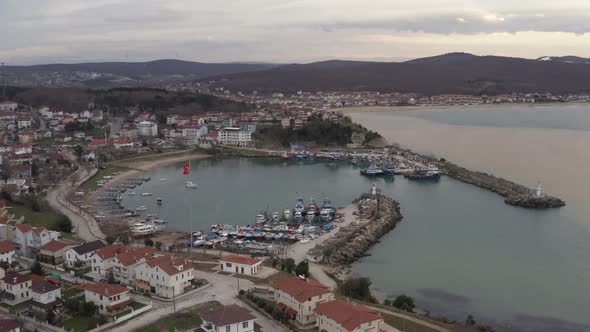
[(147, 194), (300, 206), (327, 211), (260, 218), (403, 169), (372, 171), (131, 193), (423, 174), (388, 169), (142, 229), (159, 200), (275, 216), (190, 184), (313, 209), (141, 208), (287, 214)]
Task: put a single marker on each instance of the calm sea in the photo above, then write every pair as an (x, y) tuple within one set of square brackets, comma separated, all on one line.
[(459, 250)]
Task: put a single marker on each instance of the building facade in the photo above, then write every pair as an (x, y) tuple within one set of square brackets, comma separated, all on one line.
[(165, 276), (240, 264), (298, 298), (345, 316), (234, 136)]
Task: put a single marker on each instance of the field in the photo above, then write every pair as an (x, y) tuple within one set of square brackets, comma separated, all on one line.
[(45, 217), (185, 320)]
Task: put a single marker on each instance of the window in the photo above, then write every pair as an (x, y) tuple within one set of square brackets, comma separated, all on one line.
[(228, 264), (228, 328), (245, 324)]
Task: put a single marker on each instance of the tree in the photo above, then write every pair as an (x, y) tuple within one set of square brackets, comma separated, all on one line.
[(302, 269), (88, 308), (63, 224), (35, 205), (110, 239), (158, 245), (288, 265), (404, 302), (35, 168), (357, 288), (78, 151), (387, 302), (111, 278), (38, 269), (470, 321), (148, 242)]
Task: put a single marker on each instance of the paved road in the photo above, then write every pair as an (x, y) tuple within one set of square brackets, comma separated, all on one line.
[(84, 224), (222, 288)]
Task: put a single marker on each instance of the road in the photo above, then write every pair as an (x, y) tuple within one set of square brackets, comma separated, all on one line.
[(412, 319), (222, 288), (84, 224)]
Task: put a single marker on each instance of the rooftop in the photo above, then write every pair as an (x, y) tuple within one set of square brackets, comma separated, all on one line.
[(15, 278), (301, 289), (7, 246), (240, 259), (89, 247), (104, 289), (170, 264), (348, 314), (56, 245), (226, 315)]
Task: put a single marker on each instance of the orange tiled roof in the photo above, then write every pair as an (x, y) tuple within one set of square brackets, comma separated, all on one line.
[(240, 259), (301, 289), (104, 289), (170, 264), (56, 245), (7, 246), (349, 315)]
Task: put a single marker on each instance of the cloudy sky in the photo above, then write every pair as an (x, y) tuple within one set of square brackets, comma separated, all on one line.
[(43, 31)]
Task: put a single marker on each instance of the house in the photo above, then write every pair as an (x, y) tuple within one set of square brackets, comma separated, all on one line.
[(232, 318), (338, 316), (46, 300), (7, 251), (22, 123), (16, 288), (286, 122), (298, 297), (127, 143), (166, 276), (53, 252), (9, 325), (240, 264), (125, 264), (194, 130), (234, 136), (248, 126), (148, 129), (82, 253), (109, 298), (30, 239), (102, 260)]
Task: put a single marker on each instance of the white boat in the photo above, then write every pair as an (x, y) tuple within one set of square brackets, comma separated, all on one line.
[(260, 218), (275, 216), (141, 208), (147, 194), (190, 184), (142, 229), (160, 221), (163, 179), (131, 193), (287, 214)]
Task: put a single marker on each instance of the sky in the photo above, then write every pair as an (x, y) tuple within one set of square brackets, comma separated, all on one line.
[(287, 31)]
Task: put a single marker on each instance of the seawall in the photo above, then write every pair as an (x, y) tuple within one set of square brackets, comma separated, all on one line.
[(352, 242)]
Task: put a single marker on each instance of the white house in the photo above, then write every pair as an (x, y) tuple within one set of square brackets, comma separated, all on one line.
[(125, 264), (194, 130), (8, 105), (240, 264), (46, 296), (298, 297), (30, 239), (147, 128), (82, 253), (7, 251), (16, 288), (102, 260), (229, 318), (109, 298), (234, 136), (345, 316), (53, 252), (22, 123), (166, 276)]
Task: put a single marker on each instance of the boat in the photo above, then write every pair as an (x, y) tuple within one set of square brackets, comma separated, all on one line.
[(163, 179), (160, 221), (275, 216), (287, 214), (131, 193), (403, 169), (300, 206), (313, 208), (285, 156), (327, 211), (372, 171), (159, 200), (190, 184), (147, 194), (260, 218), (141, 208), (423, 174), (142, 229), (388, 169)]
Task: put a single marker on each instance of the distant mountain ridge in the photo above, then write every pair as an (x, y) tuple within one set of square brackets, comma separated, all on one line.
[(449, 73)]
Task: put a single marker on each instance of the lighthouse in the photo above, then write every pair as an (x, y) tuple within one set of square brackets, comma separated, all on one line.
[(374, 190), (538, 192)]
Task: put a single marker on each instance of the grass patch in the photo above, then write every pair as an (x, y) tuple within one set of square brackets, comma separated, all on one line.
[(412, 314), (79, 324), (91, 184), (137, 305), (405, 325), (71, 292), (46, 217), (181, 321)]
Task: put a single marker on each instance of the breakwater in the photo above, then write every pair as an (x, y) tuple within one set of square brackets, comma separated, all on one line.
[(513, 193), (376, 218)]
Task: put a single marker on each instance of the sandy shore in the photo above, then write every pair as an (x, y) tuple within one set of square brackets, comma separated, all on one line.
[(361, 109)]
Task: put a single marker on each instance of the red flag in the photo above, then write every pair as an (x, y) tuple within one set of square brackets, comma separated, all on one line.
[(187, 169)]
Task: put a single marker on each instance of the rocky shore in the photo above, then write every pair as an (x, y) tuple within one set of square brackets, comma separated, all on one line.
[(376, 218), (514, 194)]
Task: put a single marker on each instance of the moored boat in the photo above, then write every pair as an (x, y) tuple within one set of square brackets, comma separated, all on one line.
[(372, 171), (142, 229)]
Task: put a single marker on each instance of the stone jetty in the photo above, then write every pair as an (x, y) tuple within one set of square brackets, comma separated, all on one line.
[(514, 194), (377, 217)]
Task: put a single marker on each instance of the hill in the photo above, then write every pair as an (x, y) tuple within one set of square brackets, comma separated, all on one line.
[(111, 74), (449, 73)]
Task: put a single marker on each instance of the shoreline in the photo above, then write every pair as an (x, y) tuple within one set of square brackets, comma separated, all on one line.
[(363, 109)]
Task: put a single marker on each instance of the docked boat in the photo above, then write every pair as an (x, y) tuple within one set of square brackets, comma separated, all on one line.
[(403, 169), (285, 156), (388, 169), (327, 211), (190, 184), (159, 200), (313, 209), (372, 171), (260, 218), (423, 174), (142, 229), (300, 206), (287, 214), (131, 193), (141, 208), (275, 216), (147, 194)]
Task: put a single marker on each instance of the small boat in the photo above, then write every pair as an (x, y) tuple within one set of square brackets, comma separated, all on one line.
[(285, 156), (327, 212), (287, 214), (423, 174), (275, 216), (260, 218), (131, 193), (142, 229), (372, 171), (313, 209), (159, 200), (147, 194), (163, 179), (300, 206), (160, 221), (141, 208), (190, 184)]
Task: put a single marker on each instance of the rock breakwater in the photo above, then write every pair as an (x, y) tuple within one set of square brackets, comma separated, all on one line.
[(377, 218)]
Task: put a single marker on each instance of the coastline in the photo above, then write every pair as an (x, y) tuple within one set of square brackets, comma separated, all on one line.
[(362, 109)]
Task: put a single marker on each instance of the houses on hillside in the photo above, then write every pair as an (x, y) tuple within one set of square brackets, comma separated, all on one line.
[(80, 255), (30, 239), (165, 276), (109, 298), (229, 318)]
